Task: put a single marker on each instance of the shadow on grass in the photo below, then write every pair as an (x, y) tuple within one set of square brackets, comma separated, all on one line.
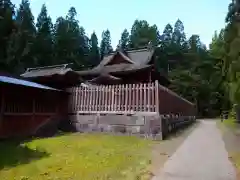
[(13, 153)]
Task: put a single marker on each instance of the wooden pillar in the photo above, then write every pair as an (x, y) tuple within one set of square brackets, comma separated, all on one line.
[(2, 108), (150, 76), (33, 116), (157, 96)]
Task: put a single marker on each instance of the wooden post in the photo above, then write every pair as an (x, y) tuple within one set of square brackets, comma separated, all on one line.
[(2, 108), (112, 103), (137, 97), (145, 97), (134, 98), (157, 96), (130, 98), (126, 98), (148, 96), (141, 97)]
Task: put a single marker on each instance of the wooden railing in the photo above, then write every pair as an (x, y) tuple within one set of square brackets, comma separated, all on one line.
[(114, 98), (127, 99)]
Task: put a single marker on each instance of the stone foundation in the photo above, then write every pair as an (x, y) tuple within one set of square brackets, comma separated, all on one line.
[(148, 126)]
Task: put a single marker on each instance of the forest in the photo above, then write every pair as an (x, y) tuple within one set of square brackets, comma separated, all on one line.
[(206, 76)]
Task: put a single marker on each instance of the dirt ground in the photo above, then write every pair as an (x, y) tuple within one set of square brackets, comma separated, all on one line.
[(231, 138), (164, 149)]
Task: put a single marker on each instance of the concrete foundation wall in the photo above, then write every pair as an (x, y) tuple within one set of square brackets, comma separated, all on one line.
[(141, 125)]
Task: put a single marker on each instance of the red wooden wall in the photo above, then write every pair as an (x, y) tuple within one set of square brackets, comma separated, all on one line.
[(24, 109)]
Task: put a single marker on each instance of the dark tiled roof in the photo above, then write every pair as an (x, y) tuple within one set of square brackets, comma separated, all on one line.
[(139, 59), (140, 56), (113, 69), (46, 71)]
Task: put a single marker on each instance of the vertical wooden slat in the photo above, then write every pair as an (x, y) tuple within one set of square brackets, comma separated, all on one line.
[(100, 98), (90, 99), (130, 98), (137, 97), (109, 97), (157, 96), (117, 91), (133, 97), (148, 96), (78, 99), (82, 98), (112, 93), (85, 99), (97, 97), (105, 99), (141, 97), (153, 97), (126, 98), (120, 97), (144, 97)]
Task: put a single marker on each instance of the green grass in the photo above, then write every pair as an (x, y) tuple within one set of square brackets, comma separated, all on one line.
[(75, 156), (230, 123), (235, 158)]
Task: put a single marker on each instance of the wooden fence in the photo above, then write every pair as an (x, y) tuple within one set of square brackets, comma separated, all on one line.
[(126, 99)]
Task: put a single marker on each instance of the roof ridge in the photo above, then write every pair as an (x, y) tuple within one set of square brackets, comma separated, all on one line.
[(48, 67), (128, 50)]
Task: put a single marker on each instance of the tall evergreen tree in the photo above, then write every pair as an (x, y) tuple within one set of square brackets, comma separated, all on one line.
[(6, 28), (71, 43), (105, 47), (94, 55), (43, 45), (20, 50), (142, 34), (61, 41), (167, 34), (124, 41), (231, 66), (178, 36)]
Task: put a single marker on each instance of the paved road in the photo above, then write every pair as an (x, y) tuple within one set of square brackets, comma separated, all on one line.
[(202, 156)]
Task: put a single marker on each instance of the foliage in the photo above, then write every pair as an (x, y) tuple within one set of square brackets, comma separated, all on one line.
[(142, 34), (124, 41), (76, 156), (231, 52), (207, 77), (43, 48), (94, 55), (105, 47)]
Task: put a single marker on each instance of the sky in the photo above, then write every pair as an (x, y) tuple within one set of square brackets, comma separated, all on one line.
[(200, 17)]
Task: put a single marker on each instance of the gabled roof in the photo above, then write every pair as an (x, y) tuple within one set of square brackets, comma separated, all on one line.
[(139, 56), (108, 60), (116, 68), (47, 71), (139, 59)]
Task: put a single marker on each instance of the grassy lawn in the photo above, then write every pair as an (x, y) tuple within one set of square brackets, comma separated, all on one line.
[(230, 132), (230, 123), (76, 156)]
